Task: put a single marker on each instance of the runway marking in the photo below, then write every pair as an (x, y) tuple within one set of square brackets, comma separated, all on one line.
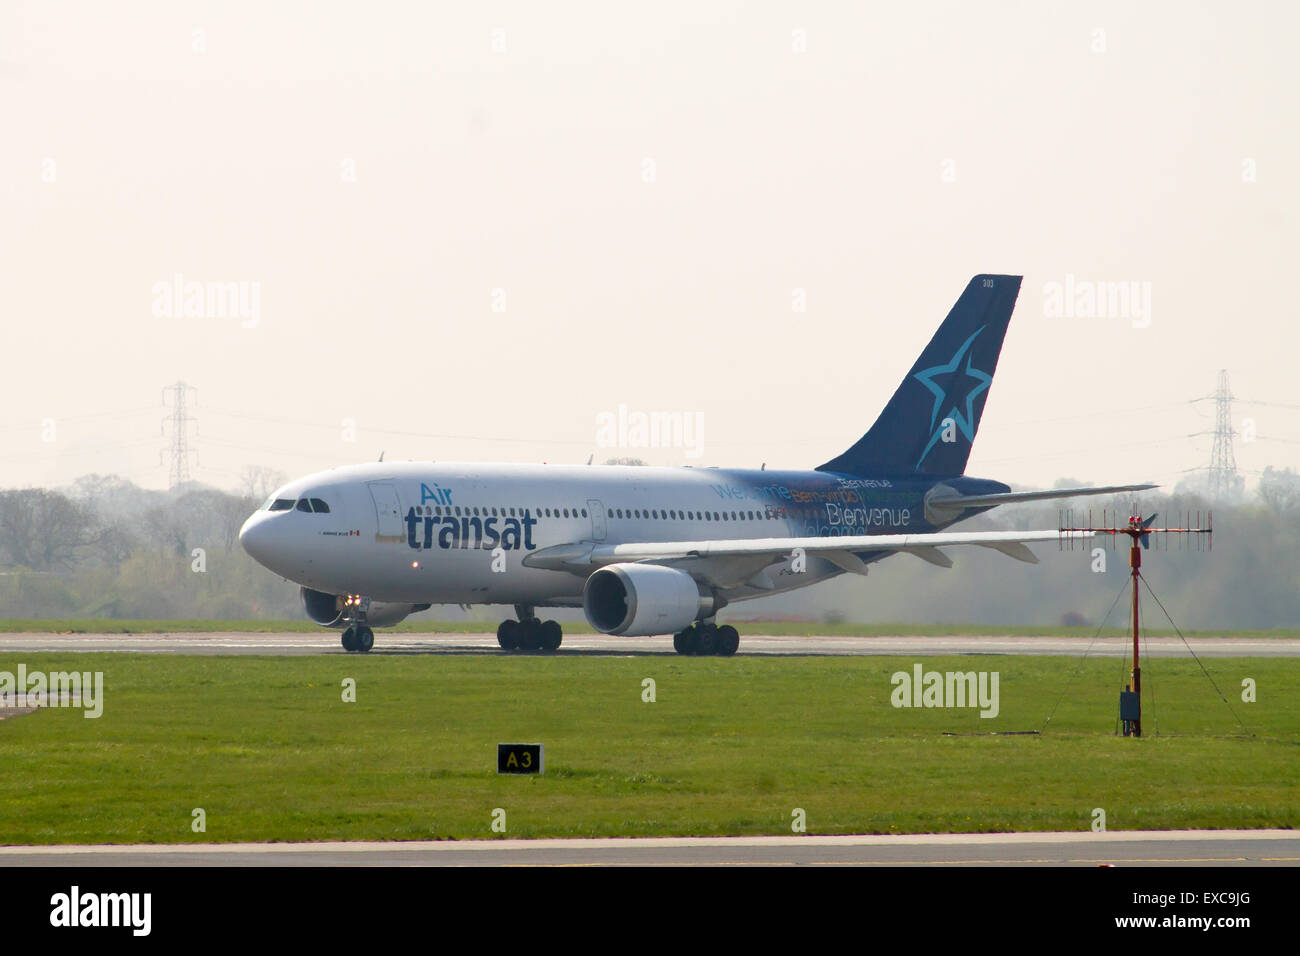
[(623, 843), (1189, 859)]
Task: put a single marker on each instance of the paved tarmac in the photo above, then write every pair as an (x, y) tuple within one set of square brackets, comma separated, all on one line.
[(1124, 848), (600, 644)]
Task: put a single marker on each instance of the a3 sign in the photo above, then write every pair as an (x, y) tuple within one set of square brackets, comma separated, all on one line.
[(520, 758)]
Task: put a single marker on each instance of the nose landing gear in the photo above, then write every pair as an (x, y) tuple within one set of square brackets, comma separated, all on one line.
[(358, 637)]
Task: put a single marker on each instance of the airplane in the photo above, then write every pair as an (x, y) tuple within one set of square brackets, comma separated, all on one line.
[(646, 550)]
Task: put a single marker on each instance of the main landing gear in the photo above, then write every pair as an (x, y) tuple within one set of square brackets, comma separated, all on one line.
[(358, 637), (705, 639), (528, 633)]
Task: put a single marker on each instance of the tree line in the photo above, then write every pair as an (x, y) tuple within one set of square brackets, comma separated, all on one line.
[(104, 547)]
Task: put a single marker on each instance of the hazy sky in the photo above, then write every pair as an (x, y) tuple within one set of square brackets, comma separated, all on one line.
[(471, 229)]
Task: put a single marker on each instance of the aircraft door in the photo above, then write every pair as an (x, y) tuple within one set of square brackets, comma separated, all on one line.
[(597, 512), (388, 511)]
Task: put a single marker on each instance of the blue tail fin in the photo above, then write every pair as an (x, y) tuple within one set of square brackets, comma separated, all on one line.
[(930, 423)]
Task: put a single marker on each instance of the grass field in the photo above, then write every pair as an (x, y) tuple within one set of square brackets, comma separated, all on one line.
[(269, 750), (107, 625)]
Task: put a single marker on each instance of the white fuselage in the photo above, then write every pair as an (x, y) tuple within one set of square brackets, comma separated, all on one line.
[(445, 533)]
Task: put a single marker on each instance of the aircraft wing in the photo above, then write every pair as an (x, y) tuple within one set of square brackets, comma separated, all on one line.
[(954, 502), (841, 550)]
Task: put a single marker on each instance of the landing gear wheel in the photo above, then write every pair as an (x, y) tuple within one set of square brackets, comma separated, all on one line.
[(365, 639), (682, 640), (706, 642), (551, 634), (530, 635), (350, 639), (727, 641), (508, 635)]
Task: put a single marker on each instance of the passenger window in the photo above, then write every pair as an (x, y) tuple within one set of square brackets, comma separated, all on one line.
[(566, 512), (319, 506), (584, 512)]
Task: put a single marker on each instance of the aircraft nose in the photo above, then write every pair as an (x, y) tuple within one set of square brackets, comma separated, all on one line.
[(254, 537)]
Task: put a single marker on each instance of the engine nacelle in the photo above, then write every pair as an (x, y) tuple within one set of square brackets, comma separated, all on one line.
[(640, 599), (328, 610)]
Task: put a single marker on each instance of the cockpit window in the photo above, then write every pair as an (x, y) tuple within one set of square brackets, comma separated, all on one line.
[(308, 505)]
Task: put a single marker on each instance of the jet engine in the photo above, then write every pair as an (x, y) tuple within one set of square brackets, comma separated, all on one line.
[(640, 599)]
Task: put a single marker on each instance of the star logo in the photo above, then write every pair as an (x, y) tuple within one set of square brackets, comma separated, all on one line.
[(951, 379)]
